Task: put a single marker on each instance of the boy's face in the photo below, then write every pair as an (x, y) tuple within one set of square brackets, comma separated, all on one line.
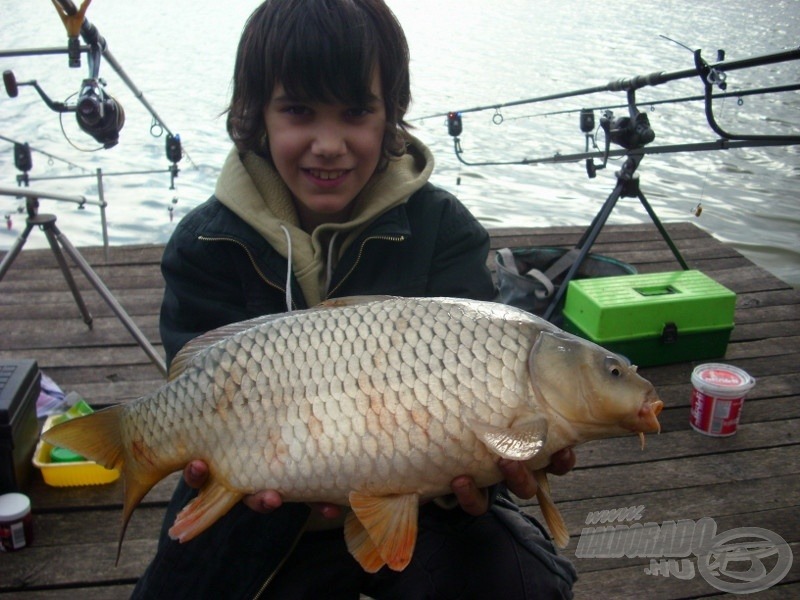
[(325, 153)]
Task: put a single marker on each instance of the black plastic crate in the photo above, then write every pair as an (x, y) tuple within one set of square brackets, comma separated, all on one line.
[(20, 382)]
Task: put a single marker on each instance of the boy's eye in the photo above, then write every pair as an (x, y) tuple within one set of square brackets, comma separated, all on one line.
[(296, 110), (357, 112)]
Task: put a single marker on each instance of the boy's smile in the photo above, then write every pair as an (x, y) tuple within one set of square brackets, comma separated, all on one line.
[(325, 153)]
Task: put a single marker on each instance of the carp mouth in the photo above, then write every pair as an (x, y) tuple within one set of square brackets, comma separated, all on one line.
[(646, 419)]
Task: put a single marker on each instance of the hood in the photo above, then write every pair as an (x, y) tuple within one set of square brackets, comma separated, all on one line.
[(251, 187)]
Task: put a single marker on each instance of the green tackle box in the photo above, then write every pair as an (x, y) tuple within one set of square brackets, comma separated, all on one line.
[(655, 318)]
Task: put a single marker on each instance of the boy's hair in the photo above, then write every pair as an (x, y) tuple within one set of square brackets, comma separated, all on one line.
[(319, 50)]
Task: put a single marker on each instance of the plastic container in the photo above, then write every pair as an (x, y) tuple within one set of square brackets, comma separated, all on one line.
[(69, 474), (717, 398), (16, 522), (654, 318)]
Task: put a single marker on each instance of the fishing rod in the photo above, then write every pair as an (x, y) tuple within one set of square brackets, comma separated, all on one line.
[(21, 154), (637, 82), (619, 130), (740, 94)]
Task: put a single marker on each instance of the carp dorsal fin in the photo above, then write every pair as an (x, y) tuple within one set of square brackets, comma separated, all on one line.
[(523, 440), (352, 300), (197, 345), (558, 529), (213, 501), (391, 525)]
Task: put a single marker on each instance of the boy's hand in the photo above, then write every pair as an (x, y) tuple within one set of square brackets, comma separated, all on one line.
[(196, 474), (518, 479)]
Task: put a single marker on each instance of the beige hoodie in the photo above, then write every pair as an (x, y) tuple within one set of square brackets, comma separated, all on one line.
[(251, 187)]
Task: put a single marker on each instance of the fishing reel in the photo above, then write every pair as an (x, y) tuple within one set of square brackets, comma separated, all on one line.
[(99, 114), (628, 132)]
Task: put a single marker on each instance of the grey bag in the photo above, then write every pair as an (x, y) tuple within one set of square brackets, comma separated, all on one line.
[(528, 278)]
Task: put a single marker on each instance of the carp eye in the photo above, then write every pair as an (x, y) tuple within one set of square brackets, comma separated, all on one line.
[(614, 367)]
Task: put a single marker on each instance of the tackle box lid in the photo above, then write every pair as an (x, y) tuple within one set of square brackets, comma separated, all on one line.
[(641, 306)]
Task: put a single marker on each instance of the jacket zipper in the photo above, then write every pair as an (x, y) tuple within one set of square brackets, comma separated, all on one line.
[(244, 247), (386, 238)]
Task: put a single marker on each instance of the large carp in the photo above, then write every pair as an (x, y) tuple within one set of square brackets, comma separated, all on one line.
[(375, 403)]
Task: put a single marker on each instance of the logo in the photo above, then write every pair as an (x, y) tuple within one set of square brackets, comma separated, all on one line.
[(743, 560)]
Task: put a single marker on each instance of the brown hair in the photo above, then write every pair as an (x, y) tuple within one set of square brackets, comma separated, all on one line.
[(319, 50)]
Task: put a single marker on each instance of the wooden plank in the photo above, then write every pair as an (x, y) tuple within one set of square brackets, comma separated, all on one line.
[(96, 357), (782, 521), (71, 331), (687, 443), (729, 498), (109, 496), (110, 592), (668, 474), (632, 582), (39, 566)]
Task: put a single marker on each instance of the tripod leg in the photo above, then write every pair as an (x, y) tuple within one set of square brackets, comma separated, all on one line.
[(663, 231), (587, 240), (106, 294), (14, 251), (51, 239)]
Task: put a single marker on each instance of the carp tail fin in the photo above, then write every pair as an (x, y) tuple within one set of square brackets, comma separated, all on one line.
[(95, 436), (98, 437)]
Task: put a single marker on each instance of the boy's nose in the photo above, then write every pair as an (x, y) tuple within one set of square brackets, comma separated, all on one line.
[(328, 142)]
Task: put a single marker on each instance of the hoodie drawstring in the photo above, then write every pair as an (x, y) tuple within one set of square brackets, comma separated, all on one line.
[(329, 265), (288, 269)]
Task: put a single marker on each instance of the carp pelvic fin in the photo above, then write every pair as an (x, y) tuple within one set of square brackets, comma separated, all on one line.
[(552, 515), (390, 523), (213, 501), (360, 545), (521, 441)]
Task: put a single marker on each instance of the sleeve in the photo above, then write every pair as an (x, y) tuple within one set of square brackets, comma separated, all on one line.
[(459, 267), (202, 290)]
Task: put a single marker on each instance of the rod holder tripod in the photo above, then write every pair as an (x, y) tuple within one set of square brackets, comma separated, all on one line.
[(59, 244), (627, 186)]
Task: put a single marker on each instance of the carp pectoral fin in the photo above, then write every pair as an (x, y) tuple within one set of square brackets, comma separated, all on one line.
[(522, 441), (558, 529), (391, 524), (360, 545), (213, 501)]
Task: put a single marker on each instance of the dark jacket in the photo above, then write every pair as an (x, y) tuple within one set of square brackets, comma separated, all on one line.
[(219, 270)]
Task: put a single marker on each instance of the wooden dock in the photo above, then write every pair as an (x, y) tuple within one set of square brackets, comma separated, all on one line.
[(747, 480)]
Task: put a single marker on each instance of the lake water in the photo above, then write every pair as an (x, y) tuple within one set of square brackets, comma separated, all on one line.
[(465, 54)]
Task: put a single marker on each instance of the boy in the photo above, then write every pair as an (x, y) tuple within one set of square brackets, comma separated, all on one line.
[(326, 195)]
